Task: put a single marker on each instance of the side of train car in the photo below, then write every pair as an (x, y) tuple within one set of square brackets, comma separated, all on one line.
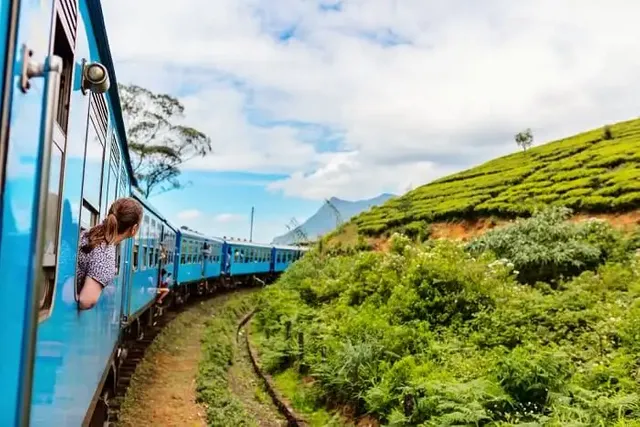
[(63, 160)]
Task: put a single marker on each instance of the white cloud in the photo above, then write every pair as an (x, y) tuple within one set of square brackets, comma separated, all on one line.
[(471, 76), (189, 215), (228, 217)]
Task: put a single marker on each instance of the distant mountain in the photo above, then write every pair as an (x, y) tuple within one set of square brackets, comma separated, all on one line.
[(324, 220)]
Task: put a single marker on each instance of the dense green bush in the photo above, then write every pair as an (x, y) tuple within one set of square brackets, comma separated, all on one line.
[(439, 334), (547, 247)]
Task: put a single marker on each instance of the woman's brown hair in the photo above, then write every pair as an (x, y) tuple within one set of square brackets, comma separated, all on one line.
[(123, 214)]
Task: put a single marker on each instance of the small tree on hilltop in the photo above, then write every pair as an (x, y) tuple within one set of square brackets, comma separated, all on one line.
[(524, 139), (159, 145)]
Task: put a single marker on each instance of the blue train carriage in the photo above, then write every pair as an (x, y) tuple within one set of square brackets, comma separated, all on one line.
[(64, 159), (198, 264), (284, 256), (244, 258), (152, 252)]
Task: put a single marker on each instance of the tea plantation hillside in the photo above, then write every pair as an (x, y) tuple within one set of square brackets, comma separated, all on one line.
[(594, 172)]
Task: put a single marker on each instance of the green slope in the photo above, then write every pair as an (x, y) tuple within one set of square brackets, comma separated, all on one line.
[(589, 172)]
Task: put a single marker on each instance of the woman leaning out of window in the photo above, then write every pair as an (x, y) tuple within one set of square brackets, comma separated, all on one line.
[(97, 253)]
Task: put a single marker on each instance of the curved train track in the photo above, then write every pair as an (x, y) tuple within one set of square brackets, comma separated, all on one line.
[(132, 348)]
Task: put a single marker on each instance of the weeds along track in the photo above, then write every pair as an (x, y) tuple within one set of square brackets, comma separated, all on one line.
[(242, 339)]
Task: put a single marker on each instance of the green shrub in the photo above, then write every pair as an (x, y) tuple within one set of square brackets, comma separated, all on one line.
[(441, 334), (547, 248)]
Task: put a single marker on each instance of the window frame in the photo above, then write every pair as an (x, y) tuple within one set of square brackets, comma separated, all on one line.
[(62, 36)]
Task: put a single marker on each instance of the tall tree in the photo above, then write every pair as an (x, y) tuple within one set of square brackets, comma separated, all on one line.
[(524, 139), (158, 143)]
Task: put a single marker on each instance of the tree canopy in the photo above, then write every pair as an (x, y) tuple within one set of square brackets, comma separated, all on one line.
[(159, 143)]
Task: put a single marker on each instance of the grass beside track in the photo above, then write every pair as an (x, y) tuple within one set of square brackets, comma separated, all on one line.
[(182, 381)]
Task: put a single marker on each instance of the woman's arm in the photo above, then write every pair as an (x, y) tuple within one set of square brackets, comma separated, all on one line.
[(89, 294)]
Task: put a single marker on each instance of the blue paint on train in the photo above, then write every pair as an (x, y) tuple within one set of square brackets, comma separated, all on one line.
[(19, 200), (45, 203)]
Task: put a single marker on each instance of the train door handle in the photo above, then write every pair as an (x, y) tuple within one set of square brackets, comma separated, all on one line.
[(51, 70)]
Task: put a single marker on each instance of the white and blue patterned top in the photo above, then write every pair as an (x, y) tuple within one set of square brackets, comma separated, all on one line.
[(99, 264)]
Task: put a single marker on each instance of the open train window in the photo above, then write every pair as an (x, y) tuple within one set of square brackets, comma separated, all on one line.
[(62, 44), (145, 254), (136, 245)]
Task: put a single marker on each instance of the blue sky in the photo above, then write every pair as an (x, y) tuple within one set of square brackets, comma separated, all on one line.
[(308, 99), (220, 202)]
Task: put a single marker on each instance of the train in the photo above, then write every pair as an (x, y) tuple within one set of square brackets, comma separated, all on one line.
[(64, 159)]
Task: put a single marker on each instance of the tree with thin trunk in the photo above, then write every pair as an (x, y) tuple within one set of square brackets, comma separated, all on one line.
[(159, 144), (524, 139)]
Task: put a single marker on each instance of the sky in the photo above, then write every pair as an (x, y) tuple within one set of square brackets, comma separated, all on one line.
[(308, 99)]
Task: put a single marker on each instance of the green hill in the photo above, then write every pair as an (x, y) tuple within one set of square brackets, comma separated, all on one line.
[(594, 172)]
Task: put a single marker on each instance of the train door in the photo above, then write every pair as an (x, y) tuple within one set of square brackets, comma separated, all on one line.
[(163, 235), (206, 252), (30, 89)]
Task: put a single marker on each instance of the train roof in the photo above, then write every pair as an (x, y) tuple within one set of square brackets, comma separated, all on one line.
[(193, 233), (100, 32), (138, 195), (245, 243), (197, 235), (290, 248)]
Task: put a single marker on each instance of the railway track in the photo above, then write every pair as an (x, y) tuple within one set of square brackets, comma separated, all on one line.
[(135, 345), (136, 352)]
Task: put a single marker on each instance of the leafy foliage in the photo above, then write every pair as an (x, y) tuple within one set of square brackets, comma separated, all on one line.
[(158, 143), (212, 389), (524, 139), (441, 333), (596, 171), (546, 246)]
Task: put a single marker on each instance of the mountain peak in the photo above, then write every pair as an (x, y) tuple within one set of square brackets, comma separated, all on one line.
[(324, 220)]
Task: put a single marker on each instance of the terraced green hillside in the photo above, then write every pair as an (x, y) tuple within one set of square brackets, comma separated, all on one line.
[(594, 172)]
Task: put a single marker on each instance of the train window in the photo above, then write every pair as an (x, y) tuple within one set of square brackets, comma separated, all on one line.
[(143, 264), (118, 260), (136, 246), (63, 42), (94, 151), (123, 181)]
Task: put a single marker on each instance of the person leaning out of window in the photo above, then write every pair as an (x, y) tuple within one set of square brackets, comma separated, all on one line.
[(97, 252)]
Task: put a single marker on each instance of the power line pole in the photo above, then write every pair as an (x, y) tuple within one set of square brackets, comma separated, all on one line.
[(251, 232)]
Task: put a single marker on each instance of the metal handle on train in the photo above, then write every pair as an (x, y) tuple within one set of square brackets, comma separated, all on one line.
[(51, 69)]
